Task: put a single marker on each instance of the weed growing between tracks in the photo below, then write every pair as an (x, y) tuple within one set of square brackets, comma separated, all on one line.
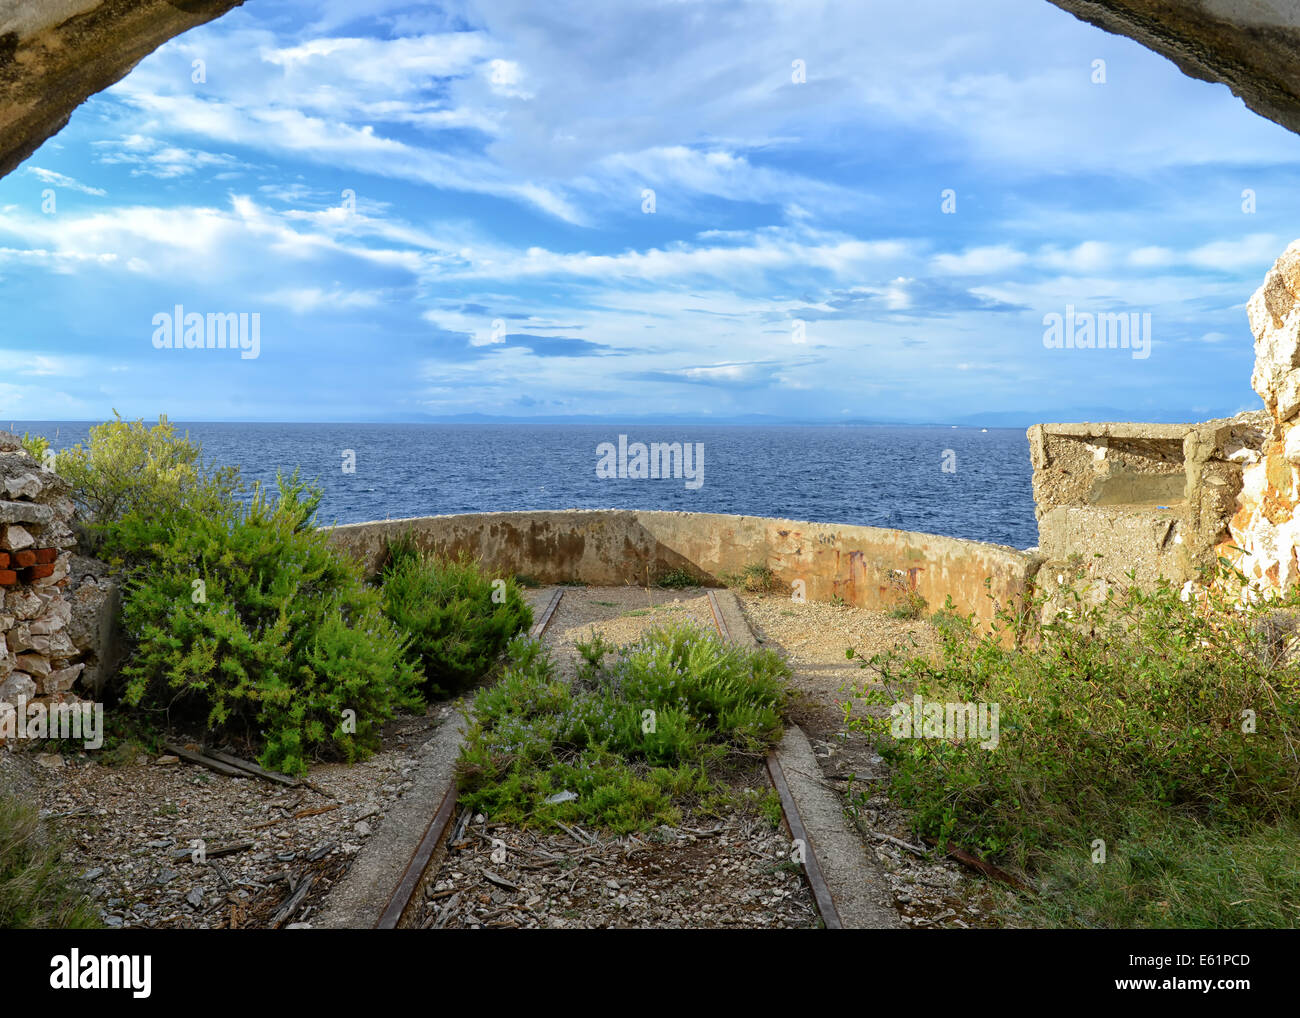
[(1147, 771), (645, 731)]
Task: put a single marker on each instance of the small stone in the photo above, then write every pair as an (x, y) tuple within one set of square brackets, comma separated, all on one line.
[(362, 828), (50, 761), (18, 685), (93, 874), (15, 538), (195, 897), (36, 665), (167, 761), (167, 876), (113, 921)]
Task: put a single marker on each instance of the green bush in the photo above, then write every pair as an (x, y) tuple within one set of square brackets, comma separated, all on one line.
[(1139, 706), (634, 739), (910, 605), (757, 578), (459, 619), (247, 621), (35, 889), (677, 579), (129, 469)]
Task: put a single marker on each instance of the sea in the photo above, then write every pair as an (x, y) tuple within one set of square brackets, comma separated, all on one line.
[(959, 482)]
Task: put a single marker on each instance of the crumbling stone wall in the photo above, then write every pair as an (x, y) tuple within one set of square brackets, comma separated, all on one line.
[(1264, 534), (57, 611), (1241, 475)]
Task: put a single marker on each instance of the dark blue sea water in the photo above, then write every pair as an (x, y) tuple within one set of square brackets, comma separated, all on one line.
[(879, 476)]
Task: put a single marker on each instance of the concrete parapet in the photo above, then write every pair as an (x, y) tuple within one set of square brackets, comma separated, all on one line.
[(865, 566)]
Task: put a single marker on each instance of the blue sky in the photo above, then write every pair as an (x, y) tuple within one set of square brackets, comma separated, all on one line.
[(498, 259)]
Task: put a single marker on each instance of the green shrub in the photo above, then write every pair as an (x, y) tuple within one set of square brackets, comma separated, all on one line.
[(250, 623), (128, 469), (35, 890), (459, 619), (677, 579), (1137, 707), (910, 605), (36, 446), (637, 737), (757, 577)]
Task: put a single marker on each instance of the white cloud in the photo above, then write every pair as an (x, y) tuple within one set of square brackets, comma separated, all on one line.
[(980, 261), (59, 180), (307, 299)]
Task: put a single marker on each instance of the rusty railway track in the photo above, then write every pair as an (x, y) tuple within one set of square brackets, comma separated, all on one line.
[(400, 900)]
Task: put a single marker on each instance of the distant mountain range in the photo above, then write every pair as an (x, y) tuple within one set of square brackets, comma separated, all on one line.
[(991, 419)]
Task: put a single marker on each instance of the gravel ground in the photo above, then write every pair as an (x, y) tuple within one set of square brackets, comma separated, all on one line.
[(729, 873), (130, 830)]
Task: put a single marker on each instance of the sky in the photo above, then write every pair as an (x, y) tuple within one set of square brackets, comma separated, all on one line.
[(812, 211)]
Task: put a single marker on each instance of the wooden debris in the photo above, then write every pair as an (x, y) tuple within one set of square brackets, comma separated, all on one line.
[(205, 761), (980, 866), (252, 768), (292, 905), (500, 881), (314, 812), (898, 843)]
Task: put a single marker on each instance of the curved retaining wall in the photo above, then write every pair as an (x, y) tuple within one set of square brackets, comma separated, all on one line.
[(867, 566)]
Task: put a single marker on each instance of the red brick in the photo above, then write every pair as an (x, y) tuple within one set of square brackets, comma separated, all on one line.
[(24, 558), (4, 559), (44, 556), (8, 577), (37, 572)]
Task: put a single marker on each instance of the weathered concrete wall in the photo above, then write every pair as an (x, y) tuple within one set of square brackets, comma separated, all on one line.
[(1252, 46), (54, 54), (1152, 498), (866, 566)]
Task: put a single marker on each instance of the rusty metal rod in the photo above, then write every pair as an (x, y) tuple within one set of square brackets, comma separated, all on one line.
[(540, 626), (812, 868), (400, 900), (718, 620), (406, 887)]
